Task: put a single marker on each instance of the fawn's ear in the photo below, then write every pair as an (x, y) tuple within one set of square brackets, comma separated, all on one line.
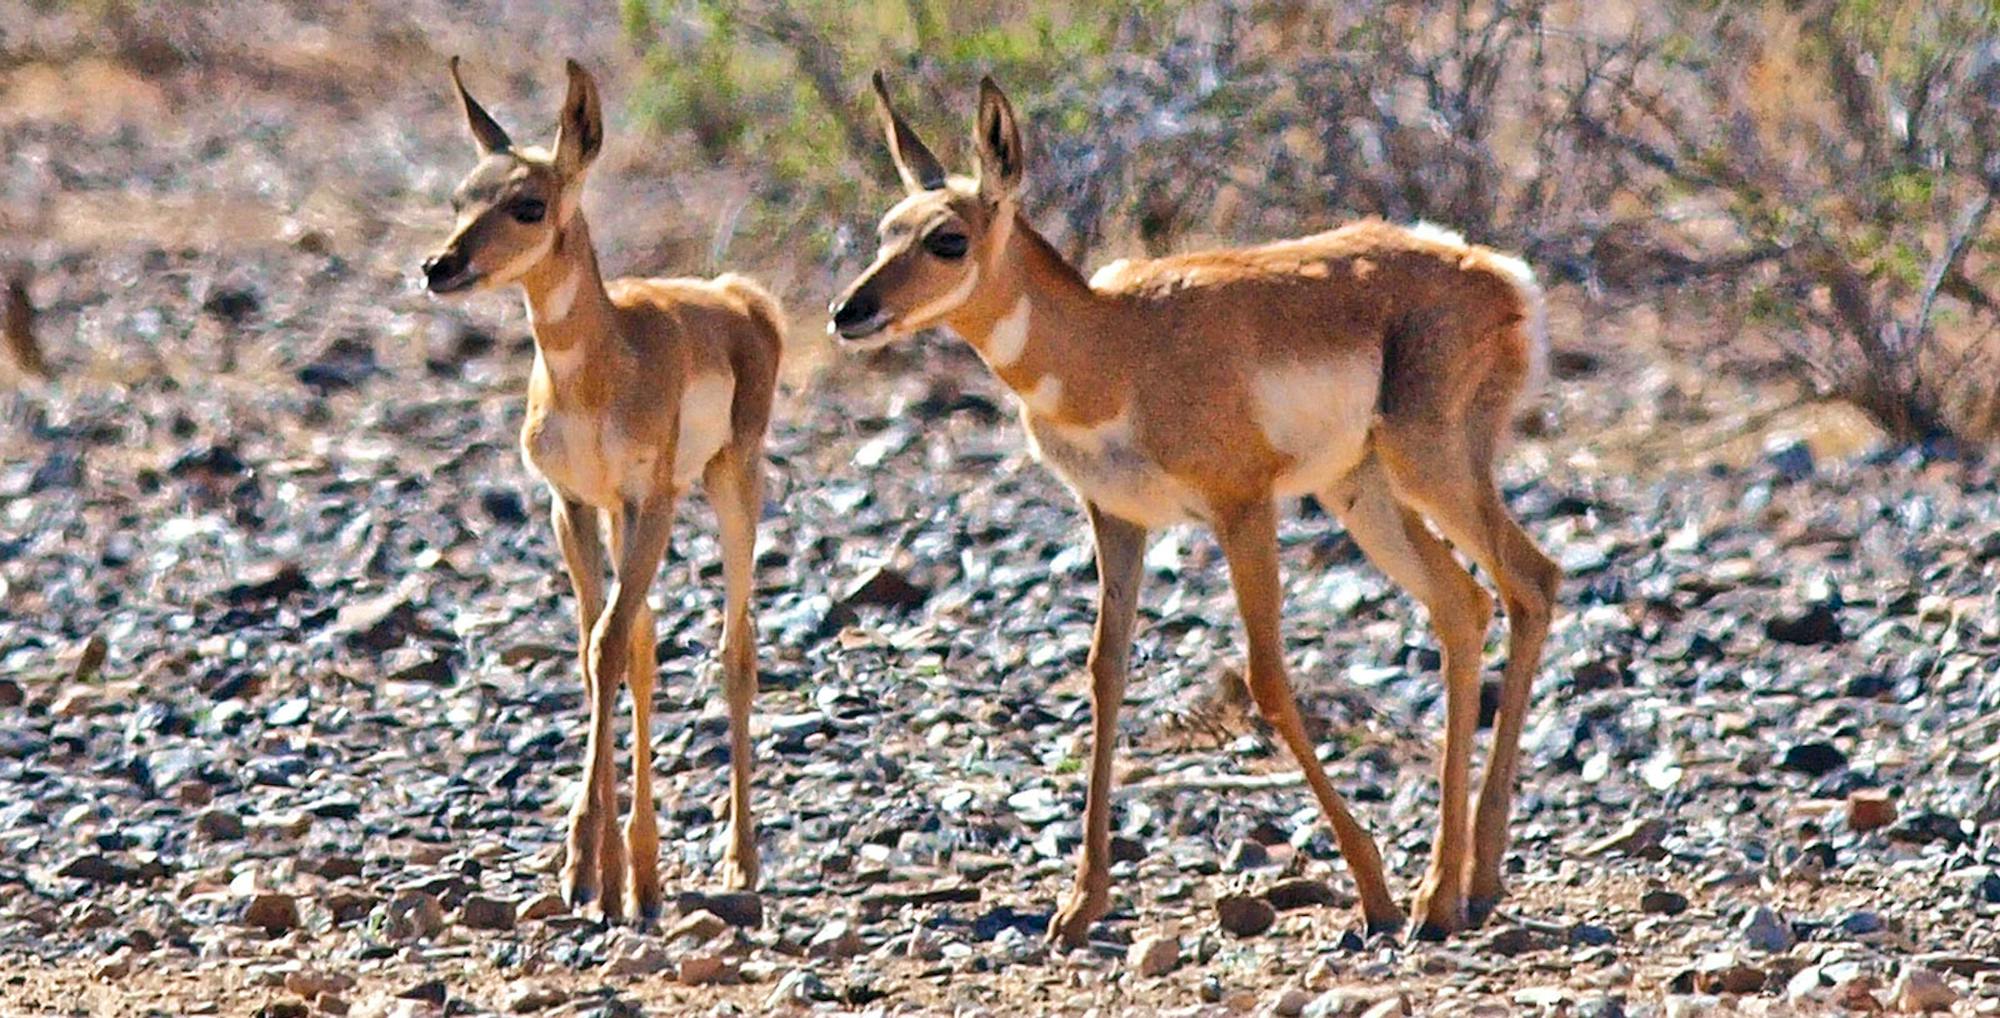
[(580, 131), (486, 132), (998, 139), (919, 169)]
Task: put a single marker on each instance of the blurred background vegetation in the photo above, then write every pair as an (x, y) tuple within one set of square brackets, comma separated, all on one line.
[(1793, 189), (1820, 171)]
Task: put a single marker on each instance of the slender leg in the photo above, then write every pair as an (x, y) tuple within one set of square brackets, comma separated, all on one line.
[(642, 541), (1121, 549), (735, 485), (642, 827), (1248, 533), (1399, 544), (1468, 509), (579, 540)]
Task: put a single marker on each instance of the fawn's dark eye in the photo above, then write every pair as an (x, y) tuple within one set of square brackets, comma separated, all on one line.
[(946, 243), (528, 211)]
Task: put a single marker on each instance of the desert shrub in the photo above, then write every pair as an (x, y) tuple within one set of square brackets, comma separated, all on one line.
[(1838, 160)]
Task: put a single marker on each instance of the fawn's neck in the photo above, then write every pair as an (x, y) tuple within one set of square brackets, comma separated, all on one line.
[(567, 306)]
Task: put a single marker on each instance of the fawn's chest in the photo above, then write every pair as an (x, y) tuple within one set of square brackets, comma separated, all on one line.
[(617, 453), (1108, 466)]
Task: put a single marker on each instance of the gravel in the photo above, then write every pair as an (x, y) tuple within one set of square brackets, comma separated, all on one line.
[(290, 719)]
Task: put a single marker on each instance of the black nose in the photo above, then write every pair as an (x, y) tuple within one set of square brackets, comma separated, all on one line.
[(855, 310), (443, 268)]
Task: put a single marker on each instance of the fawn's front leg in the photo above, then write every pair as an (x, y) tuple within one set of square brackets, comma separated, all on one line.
[(1121, 547), (582, 546), (622, 649)]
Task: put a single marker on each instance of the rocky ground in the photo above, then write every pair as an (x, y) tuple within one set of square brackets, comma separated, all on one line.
[(288, 716)]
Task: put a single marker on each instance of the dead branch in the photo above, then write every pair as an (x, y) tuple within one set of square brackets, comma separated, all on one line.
[(1970, 221), (18, 325)]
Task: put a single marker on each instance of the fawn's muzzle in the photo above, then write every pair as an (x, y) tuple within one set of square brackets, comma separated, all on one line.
[(859, 316), (445, 273)]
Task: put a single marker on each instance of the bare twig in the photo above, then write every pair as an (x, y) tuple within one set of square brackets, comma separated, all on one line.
[(18, 325), (1971, 220)]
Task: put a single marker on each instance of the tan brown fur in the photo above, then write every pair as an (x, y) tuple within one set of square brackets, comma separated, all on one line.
[(639, 388), (1373, 365)]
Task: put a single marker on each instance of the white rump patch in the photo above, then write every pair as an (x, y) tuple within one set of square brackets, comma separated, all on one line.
[(707, 405), (1009, 338), (1318, 414), (1438, 234), (1103, 277), (1523, 280)]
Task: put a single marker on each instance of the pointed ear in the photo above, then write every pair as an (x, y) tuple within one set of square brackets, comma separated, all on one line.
[(486, 132), (919, 169), (998, 139), (580, 131)]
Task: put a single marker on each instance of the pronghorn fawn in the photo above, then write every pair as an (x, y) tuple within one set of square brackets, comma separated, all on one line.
[(640, 387), (1373, 366)]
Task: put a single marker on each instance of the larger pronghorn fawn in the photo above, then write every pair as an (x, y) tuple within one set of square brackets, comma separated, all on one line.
[(1373, 366), (640, 387)]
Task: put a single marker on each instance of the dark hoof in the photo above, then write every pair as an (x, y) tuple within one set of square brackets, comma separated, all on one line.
[(1478, 910), (1431, 932), (1379, 927), (580, 896)]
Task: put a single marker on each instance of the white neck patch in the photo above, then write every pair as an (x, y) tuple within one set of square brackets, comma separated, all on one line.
[(562, 300), (1009, 338), (1045, 399)]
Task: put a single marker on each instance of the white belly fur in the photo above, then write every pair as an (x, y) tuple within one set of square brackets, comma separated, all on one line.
[(1317, 413), (706, 424)]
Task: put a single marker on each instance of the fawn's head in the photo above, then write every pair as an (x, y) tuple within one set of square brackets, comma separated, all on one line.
[(513, 205), (944, 236)]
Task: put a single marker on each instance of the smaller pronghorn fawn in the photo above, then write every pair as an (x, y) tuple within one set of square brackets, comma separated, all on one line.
[(1374, 366), (640, 387)]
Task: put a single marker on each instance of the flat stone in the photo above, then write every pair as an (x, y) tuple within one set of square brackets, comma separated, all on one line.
[(698, 925), (1724, 972), (1290, 1002), (743, 909), (1869, 809), (632, 956), (1763, 930), (1660, 901), (529, 999), (481, 912), (1151, 957), (1640, 836), (219, 824), (1244, 915), (272, 912), (1919, 990), (704, 968), (541, 906), (836, 940), (1300, 892)]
